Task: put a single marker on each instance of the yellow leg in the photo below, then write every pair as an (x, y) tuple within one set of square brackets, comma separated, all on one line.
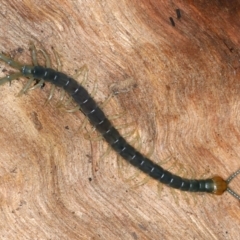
[(10, 62), (9, 78), (59, 68), (34, 59), (27, 86)]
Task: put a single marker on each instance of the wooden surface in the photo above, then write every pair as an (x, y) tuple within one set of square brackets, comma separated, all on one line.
[(179, 88)]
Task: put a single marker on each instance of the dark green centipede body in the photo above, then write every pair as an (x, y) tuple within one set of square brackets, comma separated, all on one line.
[(99, 120)]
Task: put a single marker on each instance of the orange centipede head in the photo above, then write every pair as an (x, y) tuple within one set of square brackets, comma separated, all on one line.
[(220, 185)]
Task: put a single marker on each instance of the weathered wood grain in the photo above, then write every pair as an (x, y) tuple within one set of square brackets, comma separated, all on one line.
[(183, 99)]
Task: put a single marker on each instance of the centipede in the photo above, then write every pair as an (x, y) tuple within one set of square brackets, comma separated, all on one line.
[(99, 120)]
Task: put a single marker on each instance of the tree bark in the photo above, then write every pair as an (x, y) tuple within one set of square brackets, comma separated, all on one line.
[(175, 86)]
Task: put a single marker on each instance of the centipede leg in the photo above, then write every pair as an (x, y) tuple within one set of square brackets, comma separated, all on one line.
[(70, 100), (116, 116), (91, 138), (9, 78), (105, 153), (27, 86), (34, 59), (59, 68), (159, 189), (193, 174), (119, 166), (146, 178), (106, 101), (33, 54), (85, 121), (120, 162), (141, 183), (183, 172), (136, 142), (50, 96), (136, 175), (10, 62), (160, 185), (61, 98), (173, 192), (108, 150), (82, 71), (75, 109)]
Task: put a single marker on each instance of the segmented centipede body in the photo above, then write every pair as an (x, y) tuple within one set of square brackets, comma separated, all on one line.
[(98, 119)]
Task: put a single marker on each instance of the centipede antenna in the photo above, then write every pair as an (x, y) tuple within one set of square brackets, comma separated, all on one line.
[(229, 190), (234, 194), (231, 177)]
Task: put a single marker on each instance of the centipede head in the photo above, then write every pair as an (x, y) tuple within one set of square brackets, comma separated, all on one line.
[(220, 185)]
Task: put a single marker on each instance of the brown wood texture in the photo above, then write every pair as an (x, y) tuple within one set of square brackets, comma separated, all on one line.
[(179, 89)]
